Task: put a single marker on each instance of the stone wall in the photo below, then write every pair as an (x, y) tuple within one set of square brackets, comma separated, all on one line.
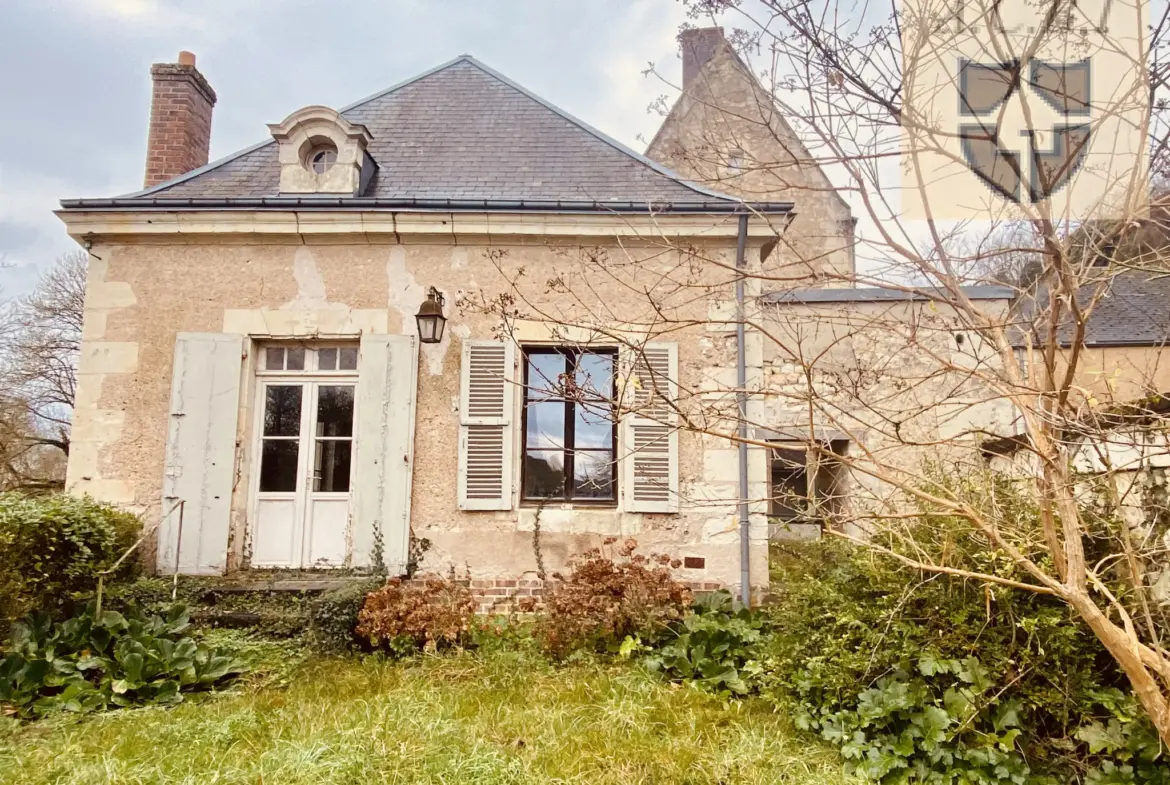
[(725, 114), (905, 383)]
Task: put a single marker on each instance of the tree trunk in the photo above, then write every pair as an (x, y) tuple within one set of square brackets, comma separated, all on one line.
[(1125, 650)]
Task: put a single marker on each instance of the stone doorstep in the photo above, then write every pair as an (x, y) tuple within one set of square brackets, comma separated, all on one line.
[(266, 584)]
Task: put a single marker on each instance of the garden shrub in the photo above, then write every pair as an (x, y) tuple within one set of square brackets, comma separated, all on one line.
[(53, 547), (333, 616), (604, 600), (717, 646), (429, 613), (91, 663), (932, 679)]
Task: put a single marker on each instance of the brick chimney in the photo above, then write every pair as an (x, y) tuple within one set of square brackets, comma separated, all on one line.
[(697, 45), (180, 120)]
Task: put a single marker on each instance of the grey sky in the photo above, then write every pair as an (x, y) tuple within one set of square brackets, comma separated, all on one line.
[(78, 84)]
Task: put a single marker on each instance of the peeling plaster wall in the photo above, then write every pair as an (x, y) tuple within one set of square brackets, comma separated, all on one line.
[(142, 295)]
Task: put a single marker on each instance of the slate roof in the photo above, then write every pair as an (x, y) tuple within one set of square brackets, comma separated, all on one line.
[(465, 133), (1134, 310)]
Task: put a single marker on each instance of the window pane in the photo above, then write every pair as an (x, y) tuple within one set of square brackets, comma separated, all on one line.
[(592, 475), (544, 375), (282, 410), (278, 465), (273, 359), (327, 359), (592, 427), (546, 425), (296, 359), (331, 465), (335, 410), (348, 359), (595, 376), (544, 474)]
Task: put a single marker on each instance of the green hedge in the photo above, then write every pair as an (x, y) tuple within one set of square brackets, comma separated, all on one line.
[(53, 547), (930, 679)]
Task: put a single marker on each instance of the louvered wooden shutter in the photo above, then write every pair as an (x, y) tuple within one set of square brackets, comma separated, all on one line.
[(387, 380), (200, 453), (485, 431), (650, 429)]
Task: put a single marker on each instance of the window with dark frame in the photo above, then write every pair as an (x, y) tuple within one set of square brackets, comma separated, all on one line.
[(793, 499), (570, 431)]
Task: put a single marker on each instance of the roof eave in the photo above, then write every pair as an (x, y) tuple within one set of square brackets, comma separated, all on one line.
[(121, 204)]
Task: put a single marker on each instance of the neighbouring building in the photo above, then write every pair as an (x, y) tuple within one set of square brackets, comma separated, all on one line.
[(253, 375)]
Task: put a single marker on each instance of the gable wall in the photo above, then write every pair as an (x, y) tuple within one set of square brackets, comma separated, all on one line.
[(724, 109)]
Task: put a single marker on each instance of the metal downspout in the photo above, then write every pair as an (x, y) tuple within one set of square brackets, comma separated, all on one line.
[(745, 572)]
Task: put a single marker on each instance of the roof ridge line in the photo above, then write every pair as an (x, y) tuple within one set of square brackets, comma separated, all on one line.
[(600, 135)]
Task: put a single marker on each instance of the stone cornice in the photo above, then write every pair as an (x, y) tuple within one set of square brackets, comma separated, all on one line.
[(349, 226)]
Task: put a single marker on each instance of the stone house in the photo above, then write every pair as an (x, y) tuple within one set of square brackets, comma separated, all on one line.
[(257, 375)]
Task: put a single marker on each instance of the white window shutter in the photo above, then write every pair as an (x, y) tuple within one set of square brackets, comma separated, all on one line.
[(384, 450), (200, 454), (487, 388), (649, 428)]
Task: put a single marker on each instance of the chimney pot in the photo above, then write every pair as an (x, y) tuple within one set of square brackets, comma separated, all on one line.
[(180, 120), (698, 45)]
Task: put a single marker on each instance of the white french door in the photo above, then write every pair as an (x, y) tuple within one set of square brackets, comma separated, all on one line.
[(301, 493)]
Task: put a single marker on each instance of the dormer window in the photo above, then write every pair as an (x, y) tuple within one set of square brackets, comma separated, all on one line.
[(321, 152), (322, 157)]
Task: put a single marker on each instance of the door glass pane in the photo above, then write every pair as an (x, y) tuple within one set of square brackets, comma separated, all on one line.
[(273, 359), (546, 425), (592, 475), (592, 427), (296, 359), (331, 465), (348, 359), (544, 375), (544, 474), (327, 359), (278, 465), (282, 410), (335, 410)]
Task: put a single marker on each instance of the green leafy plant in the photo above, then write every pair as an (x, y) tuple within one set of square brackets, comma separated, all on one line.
[(91, 663), (52, 548), (1131, 752), (716, 646), (941, 723), (605, 599), (333, 617), (426, 614), (925, 678)]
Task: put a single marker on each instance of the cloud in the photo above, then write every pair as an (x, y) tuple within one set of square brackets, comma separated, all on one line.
[(144, 13), (644, 34)]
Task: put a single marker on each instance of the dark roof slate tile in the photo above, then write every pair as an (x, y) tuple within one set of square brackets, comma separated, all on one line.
[(462, 131)]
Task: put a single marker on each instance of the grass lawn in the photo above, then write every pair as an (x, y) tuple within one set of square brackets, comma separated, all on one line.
[(495, 718)]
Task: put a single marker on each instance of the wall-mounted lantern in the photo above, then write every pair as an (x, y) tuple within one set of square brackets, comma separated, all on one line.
[(430, 317)]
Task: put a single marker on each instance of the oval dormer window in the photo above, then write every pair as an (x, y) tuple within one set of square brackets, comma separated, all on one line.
[(322, 157)]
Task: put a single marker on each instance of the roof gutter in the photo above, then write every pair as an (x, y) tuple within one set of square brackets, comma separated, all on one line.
[(284, 203)]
